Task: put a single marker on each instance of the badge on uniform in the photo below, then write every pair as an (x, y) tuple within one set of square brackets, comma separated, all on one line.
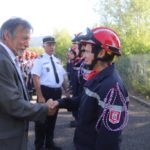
[(47, 69), (114, 115)]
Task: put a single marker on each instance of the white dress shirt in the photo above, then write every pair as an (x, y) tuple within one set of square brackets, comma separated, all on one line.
[(43, 68)]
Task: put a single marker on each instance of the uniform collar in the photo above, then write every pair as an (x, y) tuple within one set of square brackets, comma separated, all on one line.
[(101, 75), (48, 56)]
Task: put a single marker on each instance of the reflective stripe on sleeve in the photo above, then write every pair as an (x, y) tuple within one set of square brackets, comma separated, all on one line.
[(101, 103)]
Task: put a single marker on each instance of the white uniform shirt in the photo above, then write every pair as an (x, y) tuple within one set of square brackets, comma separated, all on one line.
[(43, 68)]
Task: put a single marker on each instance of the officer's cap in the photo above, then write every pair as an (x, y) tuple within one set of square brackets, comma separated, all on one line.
[(49, 39)]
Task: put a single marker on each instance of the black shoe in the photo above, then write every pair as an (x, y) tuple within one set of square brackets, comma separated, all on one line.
[(73, 124), (53, 147)]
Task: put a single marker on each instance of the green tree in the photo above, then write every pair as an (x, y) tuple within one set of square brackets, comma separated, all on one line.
[(63, 42), (131, 19)]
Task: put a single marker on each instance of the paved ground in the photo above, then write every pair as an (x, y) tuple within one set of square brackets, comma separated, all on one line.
[(136, 135), (63, 133)]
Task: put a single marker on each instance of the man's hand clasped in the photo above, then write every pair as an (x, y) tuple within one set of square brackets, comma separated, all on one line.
[(53, 107)]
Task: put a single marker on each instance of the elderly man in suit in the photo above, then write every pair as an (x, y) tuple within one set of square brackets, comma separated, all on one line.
[(15, 108)]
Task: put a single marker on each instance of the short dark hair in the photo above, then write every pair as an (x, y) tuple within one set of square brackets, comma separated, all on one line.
[(108, 57), (11, 24)]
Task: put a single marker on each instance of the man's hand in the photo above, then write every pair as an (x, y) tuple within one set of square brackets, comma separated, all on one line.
[(52, 104), (52, 107), (41, 100), (68, 93)]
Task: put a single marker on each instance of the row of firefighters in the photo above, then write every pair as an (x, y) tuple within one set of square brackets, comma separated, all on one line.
[(26, 63)]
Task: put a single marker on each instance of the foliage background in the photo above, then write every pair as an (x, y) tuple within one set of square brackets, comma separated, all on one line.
[(130, 19), (135, 71)]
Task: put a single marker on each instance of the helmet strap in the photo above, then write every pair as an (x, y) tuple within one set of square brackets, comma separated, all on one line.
[(106, 58), (95, 49)]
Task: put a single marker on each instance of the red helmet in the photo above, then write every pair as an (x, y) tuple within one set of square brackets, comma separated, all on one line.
[(27, 53), (33, 54), (106, 37)]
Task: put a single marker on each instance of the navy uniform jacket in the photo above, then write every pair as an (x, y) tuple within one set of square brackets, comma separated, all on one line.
[(72, 75), (102, 109)]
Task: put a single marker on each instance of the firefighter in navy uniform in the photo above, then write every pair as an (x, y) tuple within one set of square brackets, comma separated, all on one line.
[(78, 71), (103, 108)]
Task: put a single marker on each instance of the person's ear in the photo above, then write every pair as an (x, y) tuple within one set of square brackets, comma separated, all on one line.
[(43, 45), (6, 35), (101, 53)]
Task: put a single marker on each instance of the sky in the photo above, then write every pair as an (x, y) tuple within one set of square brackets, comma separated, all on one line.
[(48, 15)]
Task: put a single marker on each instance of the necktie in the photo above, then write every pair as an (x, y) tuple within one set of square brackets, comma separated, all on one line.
[(21, 78), (54, 69)]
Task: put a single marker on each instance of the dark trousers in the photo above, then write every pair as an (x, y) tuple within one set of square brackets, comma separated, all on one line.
[(109, 147), (44, 132)]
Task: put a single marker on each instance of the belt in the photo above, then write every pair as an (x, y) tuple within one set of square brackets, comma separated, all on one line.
[(51, 88)]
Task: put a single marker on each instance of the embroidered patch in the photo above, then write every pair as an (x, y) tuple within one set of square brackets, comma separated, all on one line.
[(114, 115)]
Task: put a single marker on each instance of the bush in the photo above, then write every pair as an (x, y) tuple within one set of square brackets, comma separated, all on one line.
[(135, 71)]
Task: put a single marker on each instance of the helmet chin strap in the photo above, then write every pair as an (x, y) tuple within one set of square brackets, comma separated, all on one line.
[(95, 49), (91, 66), (101, 59)]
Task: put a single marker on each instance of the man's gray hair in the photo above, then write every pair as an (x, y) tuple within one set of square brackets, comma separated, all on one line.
[(12, 24)]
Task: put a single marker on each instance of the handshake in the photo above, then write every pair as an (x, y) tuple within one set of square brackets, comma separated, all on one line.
[(53, 107)]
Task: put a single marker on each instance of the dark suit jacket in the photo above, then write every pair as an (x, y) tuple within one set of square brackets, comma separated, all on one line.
[(15, 108)]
